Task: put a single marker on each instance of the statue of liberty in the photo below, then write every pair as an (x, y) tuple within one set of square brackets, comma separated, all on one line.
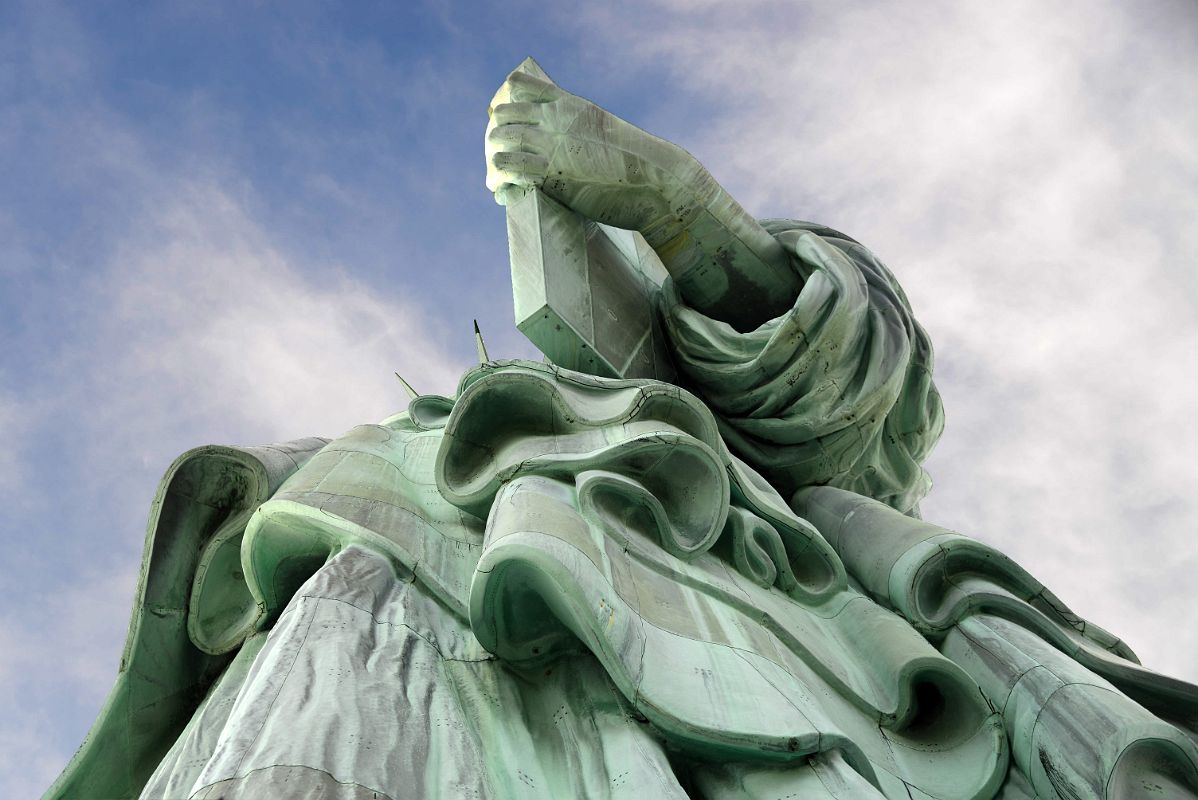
[(680, 558)]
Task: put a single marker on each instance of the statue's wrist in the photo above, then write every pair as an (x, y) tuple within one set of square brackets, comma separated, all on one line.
[(682, 208), (668, 227), (682, 202)]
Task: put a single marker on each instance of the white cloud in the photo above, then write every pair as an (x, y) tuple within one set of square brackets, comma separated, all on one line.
[(1029, 173), (207, 326), (27, 765), (11, 472), (59, 648)]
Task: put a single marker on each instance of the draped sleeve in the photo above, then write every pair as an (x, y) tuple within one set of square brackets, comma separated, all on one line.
[(838, 391)]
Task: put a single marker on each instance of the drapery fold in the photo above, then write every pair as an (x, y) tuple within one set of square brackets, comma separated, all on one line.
[(1084, 718), (836, 392), (206, 495)]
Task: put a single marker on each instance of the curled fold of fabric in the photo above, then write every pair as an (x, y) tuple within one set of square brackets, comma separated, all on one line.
[(724, 668), (1072, 732), (177, 644), (838, 391), (516, 418), (1021, 644), (757, 550), (520, 421), (935, 578), (372, 486)]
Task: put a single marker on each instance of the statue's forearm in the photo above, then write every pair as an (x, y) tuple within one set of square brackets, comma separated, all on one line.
[(723, 262), (605, 168)]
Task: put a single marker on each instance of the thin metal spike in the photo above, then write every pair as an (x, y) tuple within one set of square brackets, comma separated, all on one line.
[(407, 387), (483, 358)]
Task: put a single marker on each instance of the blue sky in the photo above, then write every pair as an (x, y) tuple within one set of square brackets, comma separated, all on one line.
[(229, 223)]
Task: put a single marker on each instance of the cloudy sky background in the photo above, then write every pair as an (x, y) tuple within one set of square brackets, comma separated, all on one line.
[(230, 224)]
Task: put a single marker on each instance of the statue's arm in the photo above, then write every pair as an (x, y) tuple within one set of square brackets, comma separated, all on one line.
[(722, 261)]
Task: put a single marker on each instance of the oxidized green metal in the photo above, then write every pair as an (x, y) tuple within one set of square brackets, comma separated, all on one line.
[(683, 558)]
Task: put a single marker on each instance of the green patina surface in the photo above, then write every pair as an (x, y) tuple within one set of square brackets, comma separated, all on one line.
[(682, 558)]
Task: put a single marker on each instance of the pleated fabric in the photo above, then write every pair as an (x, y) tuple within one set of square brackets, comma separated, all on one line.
[(837, 392)]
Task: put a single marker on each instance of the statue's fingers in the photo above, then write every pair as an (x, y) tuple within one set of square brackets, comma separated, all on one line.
[(508, 194), (522, 113), (522, 167), (516, 138), (518, 169), (525, 88)]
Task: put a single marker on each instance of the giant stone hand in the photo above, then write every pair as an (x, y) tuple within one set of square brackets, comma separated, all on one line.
[(608, 170), (583, 156)]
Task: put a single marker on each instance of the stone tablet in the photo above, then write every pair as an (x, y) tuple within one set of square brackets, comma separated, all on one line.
[(586, 294)]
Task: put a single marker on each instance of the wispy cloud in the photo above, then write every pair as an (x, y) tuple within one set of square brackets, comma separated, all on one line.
[(10, 462), (201, 304), (59, 650)]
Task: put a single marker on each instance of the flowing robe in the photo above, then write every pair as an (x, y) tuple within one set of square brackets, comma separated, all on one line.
[(556, 585)]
